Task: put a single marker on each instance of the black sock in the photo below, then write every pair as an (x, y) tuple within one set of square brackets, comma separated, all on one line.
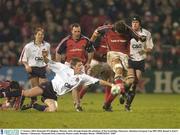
[(33, 99), (39, 107), (127, 87), (130, 97)]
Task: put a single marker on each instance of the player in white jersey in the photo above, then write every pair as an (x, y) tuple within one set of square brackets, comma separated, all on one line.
[(136, 62), (66, 79), (31, 58)]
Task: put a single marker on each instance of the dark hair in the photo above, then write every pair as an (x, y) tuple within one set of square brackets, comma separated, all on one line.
[(37, 29), (120, 27), (136, 18), (74, 25), (74, 61)]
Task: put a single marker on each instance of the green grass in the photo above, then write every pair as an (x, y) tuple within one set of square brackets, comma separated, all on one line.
[(149, 111)]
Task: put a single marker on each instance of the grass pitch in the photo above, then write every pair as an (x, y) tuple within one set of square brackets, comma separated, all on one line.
[(149, 111)]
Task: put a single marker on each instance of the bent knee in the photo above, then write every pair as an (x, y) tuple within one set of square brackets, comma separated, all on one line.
[(130, 79), (52, 105)]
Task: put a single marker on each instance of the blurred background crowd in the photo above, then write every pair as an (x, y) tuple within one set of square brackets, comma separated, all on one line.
[(18, 18)]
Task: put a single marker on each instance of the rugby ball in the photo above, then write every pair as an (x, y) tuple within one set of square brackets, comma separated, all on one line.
[(115, 89)]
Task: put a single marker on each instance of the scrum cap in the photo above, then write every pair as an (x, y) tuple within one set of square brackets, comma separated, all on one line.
[(136, 18)]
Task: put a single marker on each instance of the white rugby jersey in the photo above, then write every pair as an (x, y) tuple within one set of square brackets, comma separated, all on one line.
[(138, 46), (65, 80), (32, 54)]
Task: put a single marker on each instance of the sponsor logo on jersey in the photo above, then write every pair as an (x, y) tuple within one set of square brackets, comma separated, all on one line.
[(118, 40), (137, 46), (39, 58)]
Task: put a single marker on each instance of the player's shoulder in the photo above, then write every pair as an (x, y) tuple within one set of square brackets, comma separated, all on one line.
[(29, 45), (84, 37), (46, 43), (104, 27), (66, 38), (146, 31)]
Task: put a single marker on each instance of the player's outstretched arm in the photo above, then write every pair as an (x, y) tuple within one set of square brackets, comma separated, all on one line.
[(105, 83), (135, 35)]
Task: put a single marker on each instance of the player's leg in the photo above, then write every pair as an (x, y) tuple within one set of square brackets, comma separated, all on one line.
[(37, 76), (51, 104), (34, 82), (93, 71), (139, 68), (129, 81), (82, 91), (106, 73), (118, 68), (46, 90), (76, 99), (108, 96), (132, 90), (36, 91)]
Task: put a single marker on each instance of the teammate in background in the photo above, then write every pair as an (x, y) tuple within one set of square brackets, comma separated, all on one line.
[(73, 77), (75, 45), (31, 58), (136, 62), (118, 38)]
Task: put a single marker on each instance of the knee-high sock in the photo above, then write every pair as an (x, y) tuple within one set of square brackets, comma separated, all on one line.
[(107, 93), (130, 98), (110, 99), (82, 92), (131, 95)]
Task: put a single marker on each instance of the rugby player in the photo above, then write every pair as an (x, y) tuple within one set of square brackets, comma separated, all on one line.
[(136, 62), (118, 38), (66, 79), (31, 58)]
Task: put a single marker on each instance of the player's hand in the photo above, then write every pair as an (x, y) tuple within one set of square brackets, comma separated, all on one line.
[(87, 66), (44, 53), (48, 70), (142, 38), (28, 69), (142, 52)]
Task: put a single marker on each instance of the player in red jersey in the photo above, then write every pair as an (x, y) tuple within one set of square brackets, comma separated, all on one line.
[(75, 45), (118, 38)]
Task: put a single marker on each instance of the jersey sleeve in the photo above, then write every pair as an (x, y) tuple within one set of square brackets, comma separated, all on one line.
[(103, 29), (131, 33), (87, 80), (149, 41), (24, 55), (49, 51), (97, 42), (61, 48)]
